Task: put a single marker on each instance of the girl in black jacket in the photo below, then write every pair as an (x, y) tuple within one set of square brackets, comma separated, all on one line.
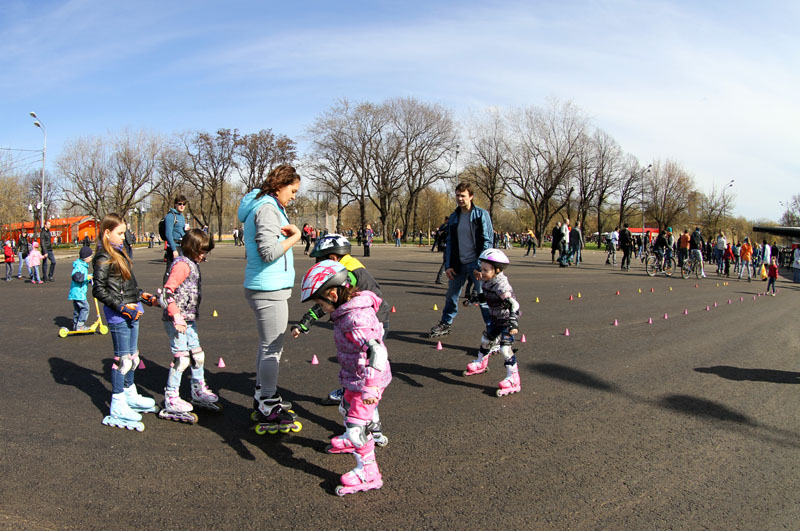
[(115, 286)]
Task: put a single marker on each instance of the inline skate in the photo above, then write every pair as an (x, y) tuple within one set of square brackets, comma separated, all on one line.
[(365, 476), (203, 397), (139, 403), (510, 384), (441, 329), (271, 417), (176, 408), (333, 398), (121, 415)]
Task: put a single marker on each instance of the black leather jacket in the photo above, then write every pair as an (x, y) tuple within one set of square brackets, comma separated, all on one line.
[(109, 286)]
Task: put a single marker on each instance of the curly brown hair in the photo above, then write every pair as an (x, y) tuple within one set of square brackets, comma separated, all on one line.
[(280, 176)]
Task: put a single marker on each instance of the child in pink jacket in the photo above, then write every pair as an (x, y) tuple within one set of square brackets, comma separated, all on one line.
[(365, 370), (34, 259)]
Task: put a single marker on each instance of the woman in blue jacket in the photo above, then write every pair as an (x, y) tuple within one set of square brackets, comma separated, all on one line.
[(269, 277)]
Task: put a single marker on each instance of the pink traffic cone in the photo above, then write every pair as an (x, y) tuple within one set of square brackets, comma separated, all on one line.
[(649, 320), (708, 308), (438, 345), (741, 299), (393, 310), (666, 316), (617, 292), (221, 363), (715, 304), (314, 360), (566, 331), (686, 311), (729, 301), (652, 290), (570, 297), (616, 323), (141, 364), (523, 340)]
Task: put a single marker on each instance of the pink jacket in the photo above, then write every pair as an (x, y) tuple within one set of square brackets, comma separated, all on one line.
[(34, 257), (355, 323)]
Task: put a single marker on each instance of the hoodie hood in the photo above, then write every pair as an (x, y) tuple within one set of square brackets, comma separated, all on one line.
[(248, 204)]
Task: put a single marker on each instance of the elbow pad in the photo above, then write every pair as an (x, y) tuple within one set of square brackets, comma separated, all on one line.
[(378, 355)]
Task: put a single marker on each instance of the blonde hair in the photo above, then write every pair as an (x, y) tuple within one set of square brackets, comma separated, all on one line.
[(118, 258)]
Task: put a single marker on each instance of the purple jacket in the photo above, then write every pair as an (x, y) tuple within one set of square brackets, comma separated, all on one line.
[(355, 322)]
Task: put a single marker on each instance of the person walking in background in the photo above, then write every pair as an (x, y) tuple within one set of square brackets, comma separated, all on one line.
[(746, 255), (772, 275), (532, 243), (174, 228), (626, 244), (576, 244), (268, 280), (368, 235), (23, 248), (47, 253)]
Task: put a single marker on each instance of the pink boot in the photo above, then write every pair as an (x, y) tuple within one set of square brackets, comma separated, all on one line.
[(477, 367), (340, 445), (365, 476), (509, 385)]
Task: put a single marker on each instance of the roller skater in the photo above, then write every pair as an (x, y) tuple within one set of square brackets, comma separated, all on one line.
[(503, 310), (180, 299), (365, 371), (176, 408), (337, 248), (272, 418), (115, 286)]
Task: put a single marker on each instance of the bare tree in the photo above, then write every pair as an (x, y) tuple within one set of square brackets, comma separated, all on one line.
[(385, 179), (607, 170), (172, 166), (86, 176), (791, 216), (211, 162), (487, 158), (667, 188), (542, 155), (629, 190), (258, 153), (714, 206), (132, 172), (427, 133)]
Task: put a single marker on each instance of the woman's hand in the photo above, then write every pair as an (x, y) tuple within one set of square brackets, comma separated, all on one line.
[(290, 230)]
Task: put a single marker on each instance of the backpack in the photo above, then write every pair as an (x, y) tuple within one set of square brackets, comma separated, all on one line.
[(696, 241), (162, 227)]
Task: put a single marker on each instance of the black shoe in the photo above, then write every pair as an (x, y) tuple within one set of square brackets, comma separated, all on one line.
[(441, 329)]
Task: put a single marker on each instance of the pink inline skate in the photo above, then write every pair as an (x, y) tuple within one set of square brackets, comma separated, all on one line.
[(365, 476), (478, 367), (509, 385)]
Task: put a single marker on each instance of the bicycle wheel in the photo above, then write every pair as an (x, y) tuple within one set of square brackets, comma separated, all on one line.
[(651, 266), (669, 267), (686, 270)]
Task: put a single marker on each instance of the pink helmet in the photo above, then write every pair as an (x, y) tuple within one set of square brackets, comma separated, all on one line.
[(321, 276), (496, 257)]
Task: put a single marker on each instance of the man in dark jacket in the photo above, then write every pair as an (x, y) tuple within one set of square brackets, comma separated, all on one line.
[(22, 253), (626, 244), (46, 244), (469, 233), (556, 242)]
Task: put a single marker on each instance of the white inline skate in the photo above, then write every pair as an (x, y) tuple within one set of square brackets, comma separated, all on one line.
[(176, 408), (203, 397), (139, 403), (122, 416)]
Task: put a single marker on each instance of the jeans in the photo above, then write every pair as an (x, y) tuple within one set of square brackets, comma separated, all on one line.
[(454, 291), (125, 336), (575, 254), (531, 246), (796, 276), (745, 266), (9, 270), (21, 263), (48, 275), (397, 242), (181, 344), (35, 274), (80, 312)]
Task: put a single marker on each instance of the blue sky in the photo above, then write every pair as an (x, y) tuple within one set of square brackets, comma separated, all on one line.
[(712, 85)]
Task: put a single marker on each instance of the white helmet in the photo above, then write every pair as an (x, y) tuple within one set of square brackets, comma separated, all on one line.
[(496, 257), (331, 244), (321, 276)]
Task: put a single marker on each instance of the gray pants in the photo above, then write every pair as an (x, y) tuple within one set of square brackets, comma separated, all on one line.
[(272, 318)]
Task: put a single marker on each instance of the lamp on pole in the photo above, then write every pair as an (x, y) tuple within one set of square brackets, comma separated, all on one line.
[(725, 201), (646, 170), (456, 164), (38, 123)]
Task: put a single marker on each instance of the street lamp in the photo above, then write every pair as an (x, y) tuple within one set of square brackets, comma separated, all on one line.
[(38, 123), (646, 170), (725, 201), (456, 164)]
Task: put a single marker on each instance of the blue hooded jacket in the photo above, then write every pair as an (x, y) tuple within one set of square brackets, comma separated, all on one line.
[(77, 290), (258, 274)]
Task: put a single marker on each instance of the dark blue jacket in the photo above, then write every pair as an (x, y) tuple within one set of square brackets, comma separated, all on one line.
[(482, 233)]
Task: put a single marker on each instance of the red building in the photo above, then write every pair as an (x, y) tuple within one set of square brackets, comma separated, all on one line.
[(62, 230)]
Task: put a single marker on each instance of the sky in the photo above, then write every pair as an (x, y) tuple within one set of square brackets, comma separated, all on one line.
[(712, 85)]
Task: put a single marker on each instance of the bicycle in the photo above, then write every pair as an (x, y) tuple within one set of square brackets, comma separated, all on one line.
[(656, 264), (690, 265)]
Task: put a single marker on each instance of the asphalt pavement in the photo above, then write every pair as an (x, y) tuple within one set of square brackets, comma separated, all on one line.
[(690, 422)]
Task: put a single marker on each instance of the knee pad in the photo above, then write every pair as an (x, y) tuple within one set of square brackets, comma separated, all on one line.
[(125, 364), (198, 357), (135, 361), (181, 362), (487, 343), (357, 433)]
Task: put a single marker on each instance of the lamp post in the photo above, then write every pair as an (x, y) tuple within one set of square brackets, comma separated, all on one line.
[(646, 170), (725, 202), (458, 146), (38, 123)]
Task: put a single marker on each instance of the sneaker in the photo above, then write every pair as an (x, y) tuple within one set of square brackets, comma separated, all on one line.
[(441, 329), (703, 275)]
